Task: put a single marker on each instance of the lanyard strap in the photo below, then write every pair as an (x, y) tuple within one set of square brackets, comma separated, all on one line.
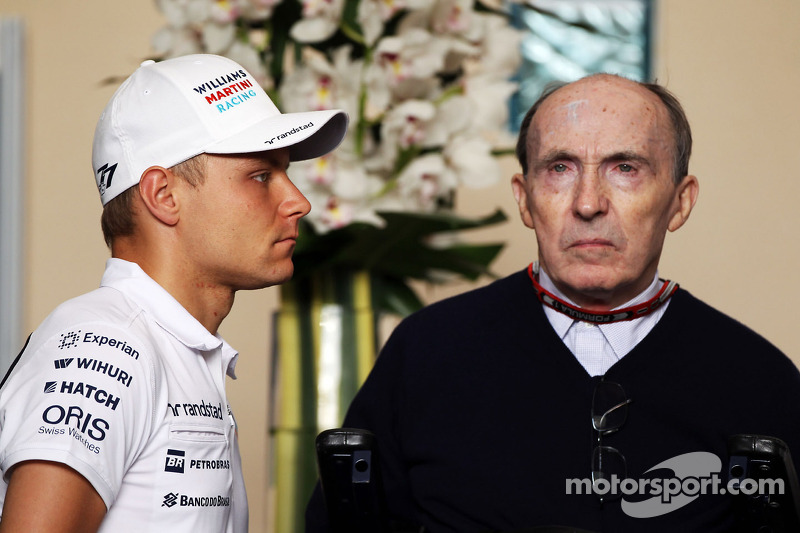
[(601, 317)]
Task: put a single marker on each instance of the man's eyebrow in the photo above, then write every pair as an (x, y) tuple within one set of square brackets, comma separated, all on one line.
[(631, 156), (551, 157)]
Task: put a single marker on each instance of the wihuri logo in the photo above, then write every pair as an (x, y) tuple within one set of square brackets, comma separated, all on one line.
[(694, 474)]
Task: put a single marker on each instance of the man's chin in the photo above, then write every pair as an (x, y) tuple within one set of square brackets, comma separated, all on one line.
[(590, 288)]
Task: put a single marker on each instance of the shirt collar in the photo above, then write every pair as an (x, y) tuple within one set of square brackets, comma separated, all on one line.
[(141, 289), (622, 336)]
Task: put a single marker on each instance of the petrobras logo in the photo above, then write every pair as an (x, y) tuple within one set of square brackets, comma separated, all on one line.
[(83, 389), (210, 464), (176, 462), (184, 500)]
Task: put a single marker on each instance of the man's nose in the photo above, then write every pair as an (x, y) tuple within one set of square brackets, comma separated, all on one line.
[(295, 204), (590, 195)]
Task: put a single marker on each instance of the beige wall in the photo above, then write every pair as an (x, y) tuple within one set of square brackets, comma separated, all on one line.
[(734, 63)]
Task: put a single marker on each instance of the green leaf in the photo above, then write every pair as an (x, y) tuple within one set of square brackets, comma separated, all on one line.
[(398, 252), (395, 296)]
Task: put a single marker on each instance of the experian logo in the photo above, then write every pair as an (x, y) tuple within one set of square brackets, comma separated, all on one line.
[(695, 474)]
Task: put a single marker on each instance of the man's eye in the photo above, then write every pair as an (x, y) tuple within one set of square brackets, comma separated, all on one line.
[(624, 167), (261, 178), (559, 167)]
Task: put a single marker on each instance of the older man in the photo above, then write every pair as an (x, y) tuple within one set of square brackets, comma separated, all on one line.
[(582, 391)]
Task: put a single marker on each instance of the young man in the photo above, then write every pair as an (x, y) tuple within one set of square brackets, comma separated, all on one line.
[(114, 418), (582, 391)]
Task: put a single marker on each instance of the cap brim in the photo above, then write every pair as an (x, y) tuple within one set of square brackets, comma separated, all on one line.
[(307, 135)]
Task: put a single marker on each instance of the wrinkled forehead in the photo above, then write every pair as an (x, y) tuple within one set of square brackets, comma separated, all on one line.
[(609, 113)]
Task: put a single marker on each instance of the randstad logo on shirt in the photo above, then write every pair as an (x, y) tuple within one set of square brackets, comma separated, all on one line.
[(203, 409)]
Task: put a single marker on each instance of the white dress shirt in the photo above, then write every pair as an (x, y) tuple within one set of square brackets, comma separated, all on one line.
[(598, 347)]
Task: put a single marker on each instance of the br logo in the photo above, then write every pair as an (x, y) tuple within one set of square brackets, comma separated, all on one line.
[(175, 461)]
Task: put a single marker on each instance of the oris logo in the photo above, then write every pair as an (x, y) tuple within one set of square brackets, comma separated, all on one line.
[(74, 417)]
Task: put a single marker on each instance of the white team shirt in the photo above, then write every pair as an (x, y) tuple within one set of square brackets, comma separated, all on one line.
[(126, 387)]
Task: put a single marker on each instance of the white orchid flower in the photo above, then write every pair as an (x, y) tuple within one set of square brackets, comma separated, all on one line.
[(320, 84), (182, 13), (425, 180), (320, 20), (416, 54), (248, 57), (488, 101), (354, 183), (217, 38), (258, 9), (174, 42), (224, 11), (452, 16), (405, 124), (402, 127), (454, 115), (471, 159), (500, 48)]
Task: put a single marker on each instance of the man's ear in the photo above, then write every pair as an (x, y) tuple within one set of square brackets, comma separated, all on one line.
[(687, 193), (519, 187), (157, 189)]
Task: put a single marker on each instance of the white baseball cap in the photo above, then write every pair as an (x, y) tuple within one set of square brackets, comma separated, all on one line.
[(170, 111)]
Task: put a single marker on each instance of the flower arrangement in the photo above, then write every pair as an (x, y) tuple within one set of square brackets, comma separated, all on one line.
[(426, 85)]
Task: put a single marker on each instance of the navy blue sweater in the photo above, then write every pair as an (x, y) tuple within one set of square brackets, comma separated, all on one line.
[(482, 414)]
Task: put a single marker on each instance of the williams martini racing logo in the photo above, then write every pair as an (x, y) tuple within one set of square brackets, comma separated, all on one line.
[(227, 91)]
